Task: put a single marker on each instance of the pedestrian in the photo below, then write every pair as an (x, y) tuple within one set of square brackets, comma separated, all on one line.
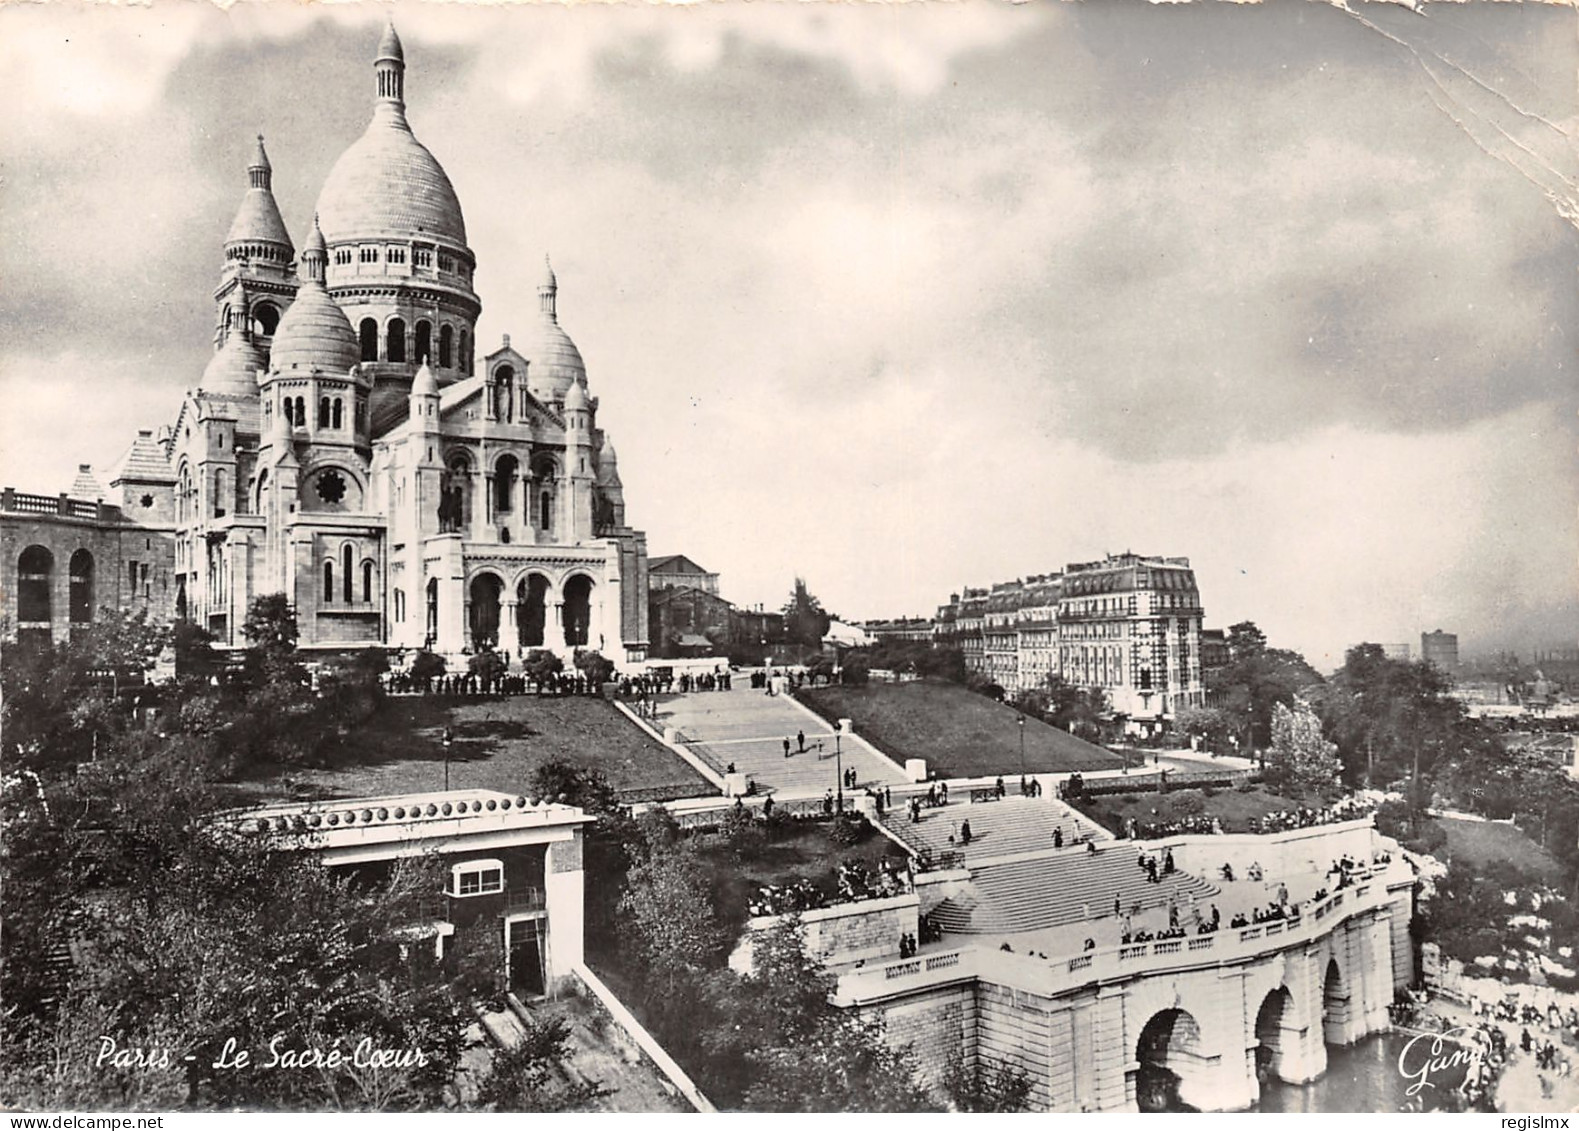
[(888, 795), (827, 803), (1058, 836), (767, 808), (800, 737), (964, 833), (1117, 906), (786, 748)]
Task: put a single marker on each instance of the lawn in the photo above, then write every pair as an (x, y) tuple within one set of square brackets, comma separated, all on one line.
[(959, 733), (797, 850), (498, 743), (1230, 806), (1479, 843)]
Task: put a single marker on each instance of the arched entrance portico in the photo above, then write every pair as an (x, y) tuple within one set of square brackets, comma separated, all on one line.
[(486, 590), (531, 595), (578, 610)]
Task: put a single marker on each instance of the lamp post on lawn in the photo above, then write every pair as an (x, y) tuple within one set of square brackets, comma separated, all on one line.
[(838, 758), (449, 736), (1021, 721)]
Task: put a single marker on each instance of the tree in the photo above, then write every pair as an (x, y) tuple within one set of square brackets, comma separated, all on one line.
[(570, 784), (541, 667), (598, 668), (487, 666), (1078, 710), (426, 667), (669, 911), (1000, 1087), (803, 1053), (1211, 724), (1301, 762), (805, 622), (527, 1076), (271, 632), (1394, 719), (1255, 680)]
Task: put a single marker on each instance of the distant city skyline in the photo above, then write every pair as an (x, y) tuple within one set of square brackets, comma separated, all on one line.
[(903, 299)]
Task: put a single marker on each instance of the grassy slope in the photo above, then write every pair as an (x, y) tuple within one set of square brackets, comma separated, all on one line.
[(1479, 843), (960, 734), (498, 743)]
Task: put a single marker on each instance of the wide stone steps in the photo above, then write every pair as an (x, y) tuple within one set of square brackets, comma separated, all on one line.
[(1008, 827), (1068, 887), (747, 728)]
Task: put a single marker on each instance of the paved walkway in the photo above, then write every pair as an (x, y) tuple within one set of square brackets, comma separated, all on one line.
[(748, 727)]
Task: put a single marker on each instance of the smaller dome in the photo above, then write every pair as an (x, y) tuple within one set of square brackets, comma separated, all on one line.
[(424, 384), (576, 396), (606, 455), (555, 362), (549, 279), (233, 371), (315, 333)]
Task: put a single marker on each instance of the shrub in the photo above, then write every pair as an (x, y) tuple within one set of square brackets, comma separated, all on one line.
[(846, 831)]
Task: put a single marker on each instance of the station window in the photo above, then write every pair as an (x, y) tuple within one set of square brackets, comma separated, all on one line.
[(477, 877)]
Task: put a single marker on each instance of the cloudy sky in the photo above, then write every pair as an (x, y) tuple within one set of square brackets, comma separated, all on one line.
[(908, 297)]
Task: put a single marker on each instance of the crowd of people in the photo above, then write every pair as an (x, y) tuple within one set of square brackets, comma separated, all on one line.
[(853, 882), (1179, 826), (1349, 809), (471, 685)]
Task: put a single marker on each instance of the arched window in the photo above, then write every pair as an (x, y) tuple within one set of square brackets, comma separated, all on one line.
[(396, 340), (81, 574), (446, 346), (545, 510), (35, 577), (424, 341), (328, 582), (464, 361), (221, 492), (367, 581), (323, 412), (369, 334), (265, 318), (347, 560), (433, 610), (301, 413), (335, 414), (505, 473), (400, 606)]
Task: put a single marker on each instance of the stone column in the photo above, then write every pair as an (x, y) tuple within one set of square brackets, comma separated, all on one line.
[(509, 632)]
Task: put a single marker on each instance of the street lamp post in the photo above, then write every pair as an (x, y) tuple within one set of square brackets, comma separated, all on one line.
[(1021, 721), (449, 736), (838, 758)]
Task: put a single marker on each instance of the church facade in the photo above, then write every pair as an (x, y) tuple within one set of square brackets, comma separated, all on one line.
[(347, 447)]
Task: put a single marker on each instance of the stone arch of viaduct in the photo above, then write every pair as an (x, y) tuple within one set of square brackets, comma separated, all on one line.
[(1208, 1028)]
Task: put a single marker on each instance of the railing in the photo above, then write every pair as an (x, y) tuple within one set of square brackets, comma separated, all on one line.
[(948, 860), (524, 899), (24, 503), (1034, 974)]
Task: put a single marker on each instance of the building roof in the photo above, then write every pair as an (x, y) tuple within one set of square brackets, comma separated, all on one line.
[(674, 563), (258, 218), (144, 462), (87, 485), (233, 370), (387, 184), (314, 332), (676, 592)]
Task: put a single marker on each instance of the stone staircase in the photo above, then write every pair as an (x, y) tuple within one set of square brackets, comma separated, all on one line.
[(1061, 888), (747, 728), (1010, 827)]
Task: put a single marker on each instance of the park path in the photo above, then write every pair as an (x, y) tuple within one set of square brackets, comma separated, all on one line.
[(748, 727)]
